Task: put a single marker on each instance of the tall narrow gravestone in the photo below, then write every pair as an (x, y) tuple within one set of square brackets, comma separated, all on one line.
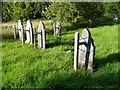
[(29, 32), (57, 30), (20, 30), (41, 35), (84, 50)]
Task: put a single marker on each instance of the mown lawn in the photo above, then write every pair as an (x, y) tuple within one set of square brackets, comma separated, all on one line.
[(24, 66)]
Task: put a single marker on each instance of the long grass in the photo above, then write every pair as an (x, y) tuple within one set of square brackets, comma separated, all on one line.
[(24, 66)]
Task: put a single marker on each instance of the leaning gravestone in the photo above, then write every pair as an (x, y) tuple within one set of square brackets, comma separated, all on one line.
[(84, 50), (56, 27), (29, 32)]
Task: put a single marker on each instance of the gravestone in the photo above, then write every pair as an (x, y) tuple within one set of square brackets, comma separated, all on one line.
[(84, 50), (20, 28), (41, 35), (57, 30), (14, 28), (29, 32)]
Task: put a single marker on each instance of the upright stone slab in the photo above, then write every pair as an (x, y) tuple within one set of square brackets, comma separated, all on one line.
[(86, 50), (83, 48), (40, 27), (41, 35), (14, 27), (29, 32), (19, 28), (76, 52), (91, 55), (35, 37), (43, 38), (21, 33), (56, 27)]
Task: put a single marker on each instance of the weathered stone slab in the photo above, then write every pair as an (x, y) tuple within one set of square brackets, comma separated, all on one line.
[(83, 48), (86, 50), (91, 55), (41, 26), (20, 28), (43, 38), (14, 28), (76, 52), (41, 35), (56, 27), (39, 38), (34, 37), (29, 32)]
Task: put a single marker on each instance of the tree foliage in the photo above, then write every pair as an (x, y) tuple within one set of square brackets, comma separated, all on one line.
[(6, 12), (61, 11), (75, 12), (23, 10), (90, 10), (112, 9)]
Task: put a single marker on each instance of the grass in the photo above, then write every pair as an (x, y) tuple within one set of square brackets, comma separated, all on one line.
[(24, 66)]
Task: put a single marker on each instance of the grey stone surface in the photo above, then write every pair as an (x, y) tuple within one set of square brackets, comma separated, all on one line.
[(41, 35), (83, 48), (57, 28), (20, 27), (86, 50), (29, 32)]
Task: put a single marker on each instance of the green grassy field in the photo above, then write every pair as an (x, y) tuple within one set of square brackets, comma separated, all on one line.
[(24, 66)]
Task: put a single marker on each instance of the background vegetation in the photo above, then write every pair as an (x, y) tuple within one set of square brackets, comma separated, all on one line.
[(79, 13)]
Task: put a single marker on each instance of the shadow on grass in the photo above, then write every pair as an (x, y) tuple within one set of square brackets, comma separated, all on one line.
[(68, 80), (71, 32), (6, 36), (58, 42), (73, 27), (104, 21), (103, 61), (83, 79), (83, 82)]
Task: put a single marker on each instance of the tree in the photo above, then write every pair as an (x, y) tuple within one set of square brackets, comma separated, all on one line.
[(23, 10), (6, 11), (90, 10), (112, 9), (39, 8), (76, 13), (61, 11)]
